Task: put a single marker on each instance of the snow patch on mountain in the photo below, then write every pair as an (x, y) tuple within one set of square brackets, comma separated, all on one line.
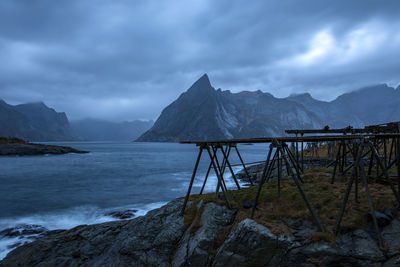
[(225, 120)]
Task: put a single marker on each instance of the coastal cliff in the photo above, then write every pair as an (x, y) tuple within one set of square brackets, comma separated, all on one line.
[(162, 238)]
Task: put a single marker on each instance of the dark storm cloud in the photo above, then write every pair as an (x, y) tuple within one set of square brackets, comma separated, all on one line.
[(129, 59)]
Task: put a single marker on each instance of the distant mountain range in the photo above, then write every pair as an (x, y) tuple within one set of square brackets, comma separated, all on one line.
[(100, 130), (33, 122), (37, 122), (205, 113)]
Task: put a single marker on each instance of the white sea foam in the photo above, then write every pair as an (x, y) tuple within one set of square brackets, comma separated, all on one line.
[(212, 181)]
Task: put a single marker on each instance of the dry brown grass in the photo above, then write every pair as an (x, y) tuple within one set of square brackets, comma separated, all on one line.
[(325, 198), (322, 151), (193, 218)]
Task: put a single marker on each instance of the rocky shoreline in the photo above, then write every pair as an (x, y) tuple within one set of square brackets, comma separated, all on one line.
[(210, 235), (18, 147), (160, 238)]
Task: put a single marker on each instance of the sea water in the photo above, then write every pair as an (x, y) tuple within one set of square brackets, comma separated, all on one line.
[(63, 191)]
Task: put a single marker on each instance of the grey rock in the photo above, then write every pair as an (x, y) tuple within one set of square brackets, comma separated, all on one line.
[(23, 230), (381, 218), (126, 214), (389, 214), (248, 204), (301, 229), (391, 234), (194, 250), (252, 244), (395, 261), (144, 241), (356, 248)]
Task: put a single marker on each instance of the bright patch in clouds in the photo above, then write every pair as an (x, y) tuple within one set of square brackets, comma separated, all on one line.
[(322, 44), (326, 49)]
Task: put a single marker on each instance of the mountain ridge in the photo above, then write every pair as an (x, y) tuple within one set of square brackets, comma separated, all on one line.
[(90, 129), (36, 121), (33, 121), (202, 112)]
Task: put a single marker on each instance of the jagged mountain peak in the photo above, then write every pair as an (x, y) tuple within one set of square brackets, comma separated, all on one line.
[(203, 113), (202, 84)]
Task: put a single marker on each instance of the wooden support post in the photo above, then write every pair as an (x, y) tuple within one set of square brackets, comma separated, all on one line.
[(230, 168), (244, 166), (398, 162), (356, 173), (191, 180), (371, 161), (205, 179), (336, 163), (221, 173), (302, 153), (266, 166), (279, 163), (310, 208), (215, 152), (287, 165), (391, 150), (371, 206), (271, 168), (354, 155), (385, 173), (384, 153), (208, 173), (223, 160), (344, 158), (348, 190), (220, 179), (293, 160), (297, 151)]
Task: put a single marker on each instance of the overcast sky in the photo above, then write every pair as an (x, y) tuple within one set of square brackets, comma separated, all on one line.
[(125, 60)]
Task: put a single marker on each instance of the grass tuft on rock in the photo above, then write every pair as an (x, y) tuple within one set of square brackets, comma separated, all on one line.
[(193, 218)]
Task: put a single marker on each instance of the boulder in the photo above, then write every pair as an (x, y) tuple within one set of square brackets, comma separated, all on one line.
[(252, 244), (126, 214), (194, 250), (144, 241)]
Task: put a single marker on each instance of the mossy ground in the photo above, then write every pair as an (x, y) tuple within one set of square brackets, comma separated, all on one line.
[(326, 199), (11, 140)]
